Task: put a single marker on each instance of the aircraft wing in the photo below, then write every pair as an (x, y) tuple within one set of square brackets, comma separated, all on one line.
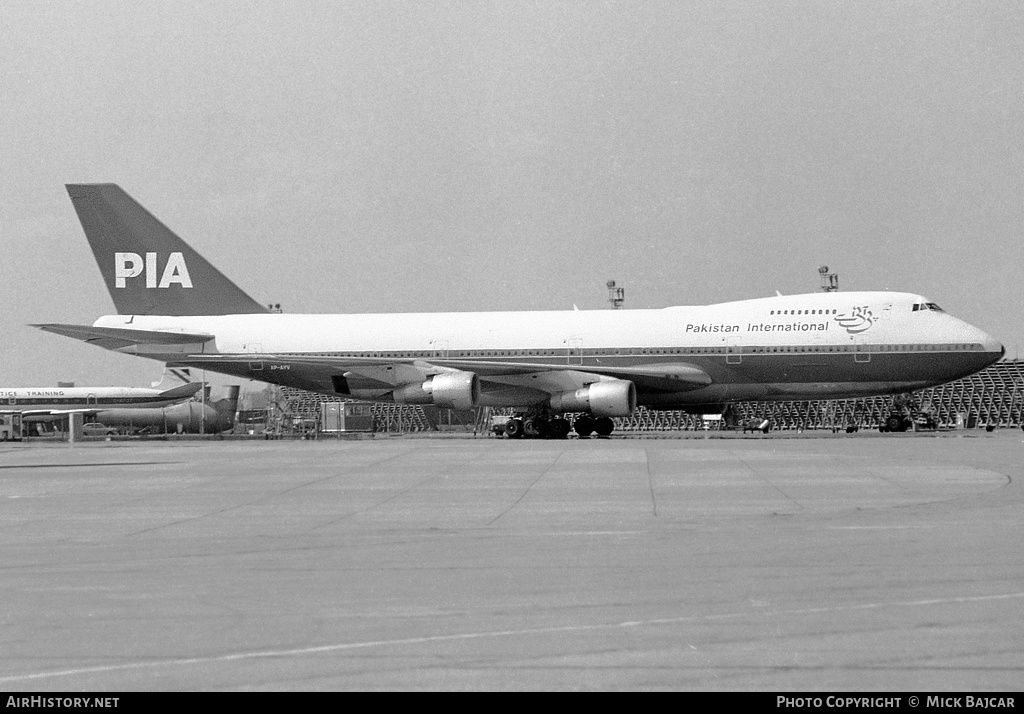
[(668, 376), (92, 411)]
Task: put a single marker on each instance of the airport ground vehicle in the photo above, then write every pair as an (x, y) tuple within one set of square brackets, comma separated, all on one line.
[(757, 424), (97, 429), (10, 426)]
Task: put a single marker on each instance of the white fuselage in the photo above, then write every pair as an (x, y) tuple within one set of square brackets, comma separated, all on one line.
[(31, 399), (790, 347)]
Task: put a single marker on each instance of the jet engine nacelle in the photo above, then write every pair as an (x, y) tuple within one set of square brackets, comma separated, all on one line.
[(453, 390), (612, 398)]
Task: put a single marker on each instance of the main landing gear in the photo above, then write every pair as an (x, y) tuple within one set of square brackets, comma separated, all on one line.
[(540, 426), (536, 427), (586, 425)]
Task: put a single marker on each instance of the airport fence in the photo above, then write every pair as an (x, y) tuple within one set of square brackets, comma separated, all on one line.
[(994, 396)]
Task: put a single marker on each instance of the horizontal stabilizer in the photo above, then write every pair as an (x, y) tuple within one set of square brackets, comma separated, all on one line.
[(126, 336)]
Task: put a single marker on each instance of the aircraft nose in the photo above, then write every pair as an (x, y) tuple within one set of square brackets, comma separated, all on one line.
[(991, 344), (993, 348)]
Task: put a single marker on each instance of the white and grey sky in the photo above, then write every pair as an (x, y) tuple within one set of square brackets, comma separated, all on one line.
[(471, 155)]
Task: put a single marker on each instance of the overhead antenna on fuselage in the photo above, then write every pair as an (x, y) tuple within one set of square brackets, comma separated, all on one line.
[(829, 281)]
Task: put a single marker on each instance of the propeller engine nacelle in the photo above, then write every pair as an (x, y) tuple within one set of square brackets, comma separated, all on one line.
[(612, 398), (453, 390)]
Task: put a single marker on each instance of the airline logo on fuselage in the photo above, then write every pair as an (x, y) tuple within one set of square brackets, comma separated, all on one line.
[(132, 265), (857, 320)]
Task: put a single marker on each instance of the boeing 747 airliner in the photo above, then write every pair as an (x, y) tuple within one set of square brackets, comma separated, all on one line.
[(173, 306)]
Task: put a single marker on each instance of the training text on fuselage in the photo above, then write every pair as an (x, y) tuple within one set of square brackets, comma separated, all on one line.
[(23, 393)]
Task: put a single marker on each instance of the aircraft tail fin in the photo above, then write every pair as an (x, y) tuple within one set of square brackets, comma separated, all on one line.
[(173, 376), (183, 392), (147, 268)]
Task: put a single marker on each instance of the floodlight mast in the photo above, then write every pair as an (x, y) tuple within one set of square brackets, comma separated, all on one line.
[(616, 296), (829, 281)]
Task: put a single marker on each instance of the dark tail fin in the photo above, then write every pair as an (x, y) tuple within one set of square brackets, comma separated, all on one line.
[(147, 268), (183, 392), (173, 377)]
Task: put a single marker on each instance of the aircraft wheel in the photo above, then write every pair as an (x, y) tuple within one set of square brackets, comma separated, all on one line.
[(514, 429), (560, 428), (604, 426), (584, 426), (536, 427)]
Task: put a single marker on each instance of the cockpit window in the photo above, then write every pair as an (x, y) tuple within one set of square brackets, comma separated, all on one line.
[(927, 306)]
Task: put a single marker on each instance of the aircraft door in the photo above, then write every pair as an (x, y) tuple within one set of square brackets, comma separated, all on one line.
[(439, 348), (733, 351), (255, 348), (574, 350)]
